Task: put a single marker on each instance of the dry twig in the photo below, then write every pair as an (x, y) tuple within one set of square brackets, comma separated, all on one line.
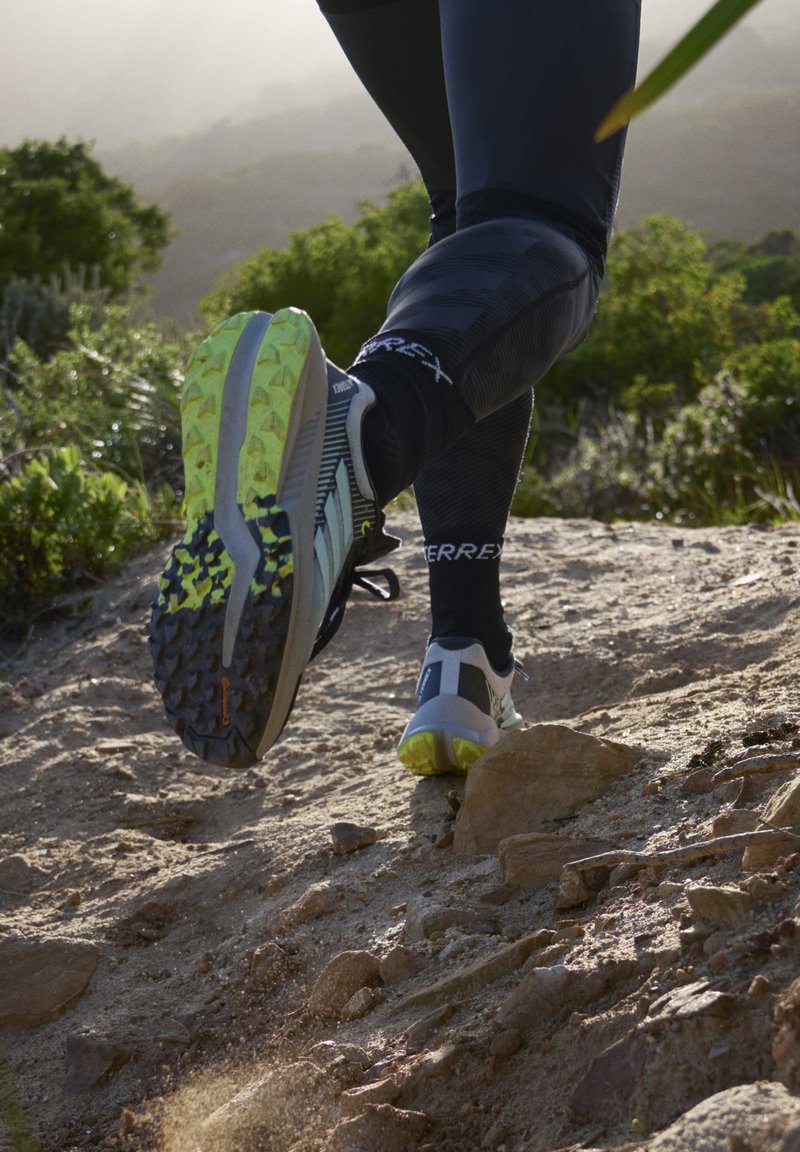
[(754, 766), (713, 847)]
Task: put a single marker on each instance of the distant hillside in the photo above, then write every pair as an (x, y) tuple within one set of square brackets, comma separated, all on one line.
[(226, 217), (337, 125), (729, 163), (732, 170)]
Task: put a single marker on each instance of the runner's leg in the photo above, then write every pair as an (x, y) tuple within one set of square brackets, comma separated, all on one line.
[(482, 315), (464, 497)]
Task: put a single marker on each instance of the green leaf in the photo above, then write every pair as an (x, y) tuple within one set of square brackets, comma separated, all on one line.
[(707, 32)]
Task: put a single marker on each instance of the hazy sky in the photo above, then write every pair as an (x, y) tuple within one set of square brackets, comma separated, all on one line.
[(120, 70), (129, 68)]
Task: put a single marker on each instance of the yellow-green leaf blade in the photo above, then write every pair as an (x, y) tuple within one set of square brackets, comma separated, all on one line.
[(707, 32)]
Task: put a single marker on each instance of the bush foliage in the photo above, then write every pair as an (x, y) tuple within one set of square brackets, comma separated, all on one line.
[(684, 400), (60, 209), (342, 274), (89, 454), (64, 521)]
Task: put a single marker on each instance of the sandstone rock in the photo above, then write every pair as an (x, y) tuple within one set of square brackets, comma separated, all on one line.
[(545, 992), (40, 979), (348, 838), (505, 1044), (482, 972), (726, 907), (268, 964), (759, 986), (359, 1004), (611, 1078), (316, 901), (344, 1064), (380, 1127), (537, 987), (569, 932), (424, 917), (498, 896), (445, 837), (572, 890), (786, 1042), (532, 860), (18, 876), (783, 810), (749, 1110), (340, 979), (438, 1063), (544, 773), (420, 1030), (356, 1101), (397, 965), (90, 1057), (698, 781), (698, 998), (734, 821), (696, 1042)]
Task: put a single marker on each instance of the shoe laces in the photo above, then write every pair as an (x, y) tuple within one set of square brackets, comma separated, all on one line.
[(376, 545)]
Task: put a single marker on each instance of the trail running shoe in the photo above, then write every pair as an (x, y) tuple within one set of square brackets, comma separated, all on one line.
[(463, 708), (280, 510)]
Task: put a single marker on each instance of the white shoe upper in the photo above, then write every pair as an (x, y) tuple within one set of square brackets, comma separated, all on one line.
[(459, 693)]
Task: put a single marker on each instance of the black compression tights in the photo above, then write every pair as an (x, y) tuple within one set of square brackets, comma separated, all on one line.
[(497, 101)]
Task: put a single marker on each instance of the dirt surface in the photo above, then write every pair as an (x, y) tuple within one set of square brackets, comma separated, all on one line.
[(173, 918)]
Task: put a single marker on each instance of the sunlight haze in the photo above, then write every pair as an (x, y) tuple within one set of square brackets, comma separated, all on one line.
[(117, 71)]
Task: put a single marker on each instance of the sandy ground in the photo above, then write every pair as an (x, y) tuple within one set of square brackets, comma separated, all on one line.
[(680, 641)]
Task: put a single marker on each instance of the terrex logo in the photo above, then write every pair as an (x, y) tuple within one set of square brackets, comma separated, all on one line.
[(403, 347), (437, 552)]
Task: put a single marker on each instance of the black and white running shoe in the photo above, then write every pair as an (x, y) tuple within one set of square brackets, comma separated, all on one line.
[(463, 708), (280, 512)]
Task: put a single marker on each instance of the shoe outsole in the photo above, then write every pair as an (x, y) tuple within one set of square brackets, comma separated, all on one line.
[(227, 602), (438, 753)]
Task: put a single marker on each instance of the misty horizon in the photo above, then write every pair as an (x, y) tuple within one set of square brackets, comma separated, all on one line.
[(119, 74)]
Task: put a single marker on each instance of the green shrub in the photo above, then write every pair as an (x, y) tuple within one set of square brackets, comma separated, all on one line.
[(602, 476), (664, 323), (113, 390), (38, 313), (342, 274), (771, 267), (63, 522)]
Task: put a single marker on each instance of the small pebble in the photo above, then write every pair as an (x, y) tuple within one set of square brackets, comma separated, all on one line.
[(505, 1044), (397, 965), (445, 837), (359, 1004), (348, 837)]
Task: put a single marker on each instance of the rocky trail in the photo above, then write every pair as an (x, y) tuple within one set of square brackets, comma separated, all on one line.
[(592, 943)]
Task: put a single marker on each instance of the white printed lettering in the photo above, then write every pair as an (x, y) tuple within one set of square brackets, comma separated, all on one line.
[(404, 347), (436, 552)]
